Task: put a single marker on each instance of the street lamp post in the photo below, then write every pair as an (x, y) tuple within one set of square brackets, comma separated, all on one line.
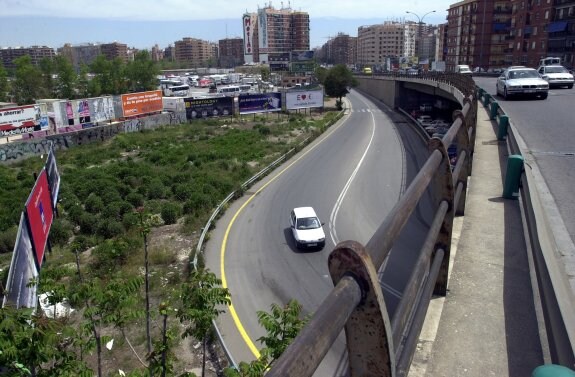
[(419, 23)]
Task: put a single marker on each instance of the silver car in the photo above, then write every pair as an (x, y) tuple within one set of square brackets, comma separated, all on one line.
[(556, 76), (519, 80)]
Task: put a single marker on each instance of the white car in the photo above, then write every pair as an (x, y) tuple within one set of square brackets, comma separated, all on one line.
[(306, 227), (520, 80), (556, 76)]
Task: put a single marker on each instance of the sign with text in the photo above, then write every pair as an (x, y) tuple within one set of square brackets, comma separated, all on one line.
[(202, 108), (302, 67), (303, 99), (19, 292), (39, 214), (19, 120), (260, 103), (141, 103)]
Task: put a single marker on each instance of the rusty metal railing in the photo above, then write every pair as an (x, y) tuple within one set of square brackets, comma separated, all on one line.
[(377, 344)]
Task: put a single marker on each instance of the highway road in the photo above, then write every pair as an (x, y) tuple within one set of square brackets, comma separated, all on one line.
[(352, 175), (548, 130)]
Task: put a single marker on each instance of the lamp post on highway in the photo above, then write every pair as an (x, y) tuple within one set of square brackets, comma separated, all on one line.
[(419, 23)]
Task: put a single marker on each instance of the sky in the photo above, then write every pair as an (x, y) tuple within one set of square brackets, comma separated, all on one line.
[(144, 23)]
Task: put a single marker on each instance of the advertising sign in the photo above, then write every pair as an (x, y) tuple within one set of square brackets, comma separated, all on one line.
[(249, 23), (302, 67), (301, 56), (53, 176), (101, 109), (39, 215), (141, 103), (19, 120), (19, 293), (202, 108), (303, 99), (259, 103)]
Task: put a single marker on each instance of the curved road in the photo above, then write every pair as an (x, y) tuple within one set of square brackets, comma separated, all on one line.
[(352, 175)]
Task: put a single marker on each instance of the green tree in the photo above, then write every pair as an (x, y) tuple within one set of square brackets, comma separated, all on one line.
[(282, 326), (108, 76), (321, 73), (83, 83), (66, 79), (200, 298), (266, 73), (337, 82), (141, 73), (48, 70), (4, 84), (27, 84)]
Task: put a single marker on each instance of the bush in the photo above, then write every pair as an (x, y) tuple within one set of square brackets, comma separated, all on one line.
[(87, 223), (170, 213), (8, 239), (60, 232), (130, 220), (156, 189), (135, 199), (109, 228), (94, 204)]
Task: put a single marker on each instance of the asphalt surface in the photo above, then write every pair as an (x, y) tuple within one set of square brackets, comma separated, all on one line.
[(486, 325)]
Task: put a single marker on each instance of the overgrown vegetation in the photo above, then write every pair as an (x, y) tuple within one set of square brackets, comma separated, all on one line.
[(113, 196)]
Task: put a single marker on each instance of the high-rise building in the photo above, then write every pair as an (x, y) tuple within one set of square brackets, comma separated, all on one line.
[(539, 30), (231, 52), (341, 49), (36, 53), (79, 55), (377, 43), (115, 50), (157, 53), (195, 52), (274, 31)]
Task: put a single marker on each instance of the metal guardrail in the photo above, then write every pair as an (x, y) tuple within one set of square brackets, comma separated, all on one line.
[(379, 345), (556, 302)]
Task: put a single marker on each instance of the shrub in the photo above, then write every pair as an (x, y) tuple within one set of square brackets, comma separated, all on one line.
[(94, 204), (60, 232), (87, 223), (109, 228), (264, 130), (170, 213), (8, 239), (156, 189), (135, 199)]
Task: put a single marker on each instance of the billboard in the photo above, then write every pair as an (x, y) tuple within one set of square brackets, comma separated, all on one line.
[(303, 99), (249, 22), (141, 103), (19, 120), (101, 109), (53, 176), (39, 215), (301, 56), (259, 103), (19, 293), (302, 67), (202, 108)]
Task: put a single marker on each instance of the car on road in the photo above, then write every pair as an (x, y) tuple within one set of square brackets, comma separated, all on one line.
[(521, 81), (556, 75), (422, 119), (306, 228)]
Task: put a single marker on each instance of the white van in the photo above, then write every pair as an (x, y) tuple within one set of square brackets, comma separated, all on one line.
[(231, 91)]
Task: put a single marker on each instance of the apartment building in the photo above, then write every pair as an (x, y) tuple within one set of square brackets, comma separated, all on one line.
[(231, 52), (115, 50), (78, 55), (376, 43), (341, 49), (36, 53), (194, 51), (272, 31)]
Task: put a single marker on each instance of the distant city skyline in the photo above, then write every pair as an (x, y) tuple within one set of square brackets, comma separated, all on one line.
[(143, 24)]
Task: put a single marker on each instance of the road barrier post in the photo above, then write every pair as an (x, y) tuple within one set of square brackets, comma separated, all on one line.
[(513, 176), (486, 99), (494, 106), (503, 125)]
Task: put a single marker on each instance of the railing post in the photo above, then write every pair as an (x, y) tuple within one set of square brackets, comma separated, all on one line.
[(368, 329), (443, 182)]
